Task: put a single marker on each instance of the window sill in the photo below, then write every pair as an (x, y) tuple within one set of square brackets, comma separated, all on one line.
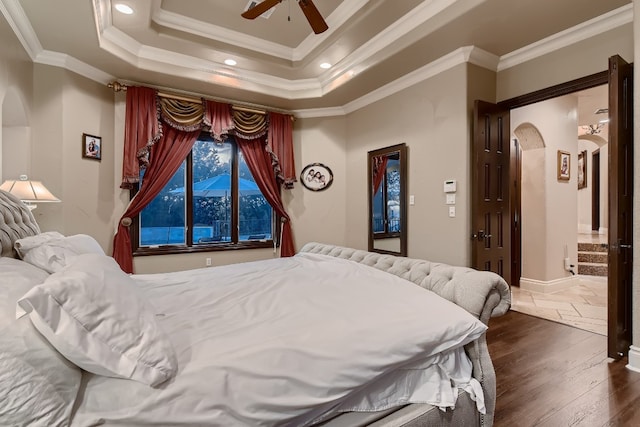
[(175, 249)]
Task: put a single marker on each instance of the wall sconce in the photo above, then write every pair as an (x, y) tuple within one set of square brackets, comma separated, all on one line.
[(30, 192)]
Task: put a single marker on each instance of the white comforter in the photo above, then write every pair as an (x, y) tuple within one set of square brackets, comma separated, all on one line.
[(282, 342)]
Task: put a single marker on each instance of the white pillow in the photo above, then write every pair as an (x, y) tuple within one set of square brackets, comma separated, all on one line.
[(37, 384), (52, 251), (27, 243), (91, 312)]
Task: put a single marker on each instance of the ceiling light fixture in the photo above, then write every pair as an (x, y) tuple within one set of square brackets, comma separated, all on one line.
[(123, 8), (230, 61), (325, 65), (593, 129)]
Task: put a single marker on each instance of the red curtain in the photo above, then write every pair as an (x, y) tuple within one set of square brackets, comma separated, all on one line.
[(161, 148), (218, 117), (280, 140), (165, 159), (259, 162), (379, 169), (142, 129)]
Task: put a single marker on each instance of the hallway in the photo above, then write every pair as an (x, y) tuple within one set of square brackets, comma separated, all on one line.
[(583, 306)]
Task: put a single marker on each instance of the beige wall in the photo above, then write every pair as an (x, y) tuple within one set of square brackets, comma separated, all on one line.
[(432, 119), (16, 84), (581, 59), (16, 151), (66, 106), (549, 206), (320, 216)]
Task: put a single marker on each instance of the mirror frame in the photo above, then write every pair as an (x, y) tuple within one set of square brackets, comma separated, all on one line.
[(402, 150)]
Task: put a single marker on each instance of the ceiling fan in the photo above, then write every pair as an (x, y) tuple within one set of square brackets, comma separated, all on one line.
[(308, 8)]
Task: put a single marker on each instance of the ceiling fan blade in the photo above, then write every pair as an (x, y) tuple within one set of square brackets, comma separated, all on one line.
[(259, 9), (313, 16)]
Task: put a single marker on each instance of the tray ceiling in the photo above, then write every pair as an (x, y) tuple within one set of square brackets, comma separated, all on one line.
[(370, 43)]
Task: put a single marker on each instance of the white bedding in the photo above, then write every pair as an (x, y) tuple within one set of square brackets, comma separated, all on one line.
[(286, 341)]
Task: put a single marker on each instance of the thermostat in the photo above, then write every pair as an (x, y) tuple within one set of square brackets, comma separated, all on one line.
[(450, 186)]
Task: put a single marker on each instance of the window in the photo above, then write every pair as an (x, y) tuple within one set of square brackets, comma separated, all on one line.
[(212, 202), (386, 201)]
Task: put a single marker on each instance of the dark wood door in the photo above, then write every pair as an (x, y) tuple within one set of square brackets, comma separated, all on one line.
[(491, 225), (515, 196), (620, 205), (595, 191)]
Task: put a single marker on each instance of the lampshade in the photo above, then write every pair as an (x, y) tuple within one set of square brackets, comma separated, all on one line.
[(30, 192)]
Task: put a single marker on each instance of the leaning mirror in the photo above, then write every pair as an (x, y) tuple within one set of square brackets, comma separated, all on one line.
[(387, 180)]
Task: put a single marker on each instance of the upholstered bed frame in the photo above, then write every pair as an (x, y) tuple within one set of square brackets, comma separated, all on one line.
[(483, 294)]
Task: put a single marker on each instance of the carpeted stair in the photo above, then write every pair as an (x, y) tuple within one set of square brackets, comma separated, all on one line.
[(592, 259)]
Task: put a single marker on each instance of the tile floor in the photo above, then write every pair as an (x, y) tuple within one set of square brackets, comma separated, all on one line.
[(583, 306)]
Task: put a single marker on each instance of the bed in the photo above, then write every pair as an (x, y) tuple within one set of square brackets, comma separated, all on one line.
[(332, 336)]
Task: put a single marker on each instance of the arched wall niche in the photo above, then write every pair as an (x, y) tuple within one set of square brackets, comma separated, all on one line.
[(15, 140), (596, 139), (529, 137)]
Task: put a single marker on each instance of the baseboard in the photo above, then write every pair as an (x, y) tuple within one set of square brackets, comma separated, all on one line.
[(586, 229), (634, 359), (550, 286)]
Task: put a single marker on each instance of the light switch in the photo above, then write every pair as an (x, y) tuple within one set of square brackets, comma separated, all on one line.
[(412, 200), (452, 211), (451, 198)]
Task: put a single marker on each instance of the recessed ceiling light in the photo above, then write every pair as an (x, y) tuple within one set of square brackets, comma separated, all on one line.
[(325, 65), (123, 8), (230, 61)]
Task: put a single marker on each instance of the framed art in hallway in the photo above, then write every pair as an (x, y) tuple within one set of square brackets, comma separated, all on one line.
[(582, 169), (91, 147), (564, 165)]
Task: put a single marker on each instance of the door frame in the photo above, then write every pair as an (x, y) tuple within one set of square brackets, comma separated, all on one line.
[(587, 82), (561, 89)]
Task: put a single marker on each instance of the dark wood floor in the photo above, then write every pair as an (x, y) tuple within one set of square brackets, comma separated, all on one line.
[(550, 374)]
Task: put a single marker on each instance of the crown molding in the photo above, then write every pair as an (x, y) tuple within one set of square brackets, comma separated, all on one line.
[(453, 59), (601, 24), (215, 32), (70, 63), (312, 113), (19, 23)]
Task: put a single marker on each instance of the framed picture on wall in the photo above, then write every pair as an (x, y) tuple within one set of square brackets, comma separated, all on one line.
[(91, 147), (564, 165), (582, 170), (316, 177)]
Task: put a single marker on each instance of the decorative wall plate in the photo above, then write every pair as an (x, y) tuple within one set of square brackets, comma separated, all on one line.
[(316, 177)]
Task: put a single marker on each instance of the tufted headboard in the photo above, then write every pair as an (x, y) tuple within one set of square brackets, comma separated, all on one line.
[(16, 222)]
